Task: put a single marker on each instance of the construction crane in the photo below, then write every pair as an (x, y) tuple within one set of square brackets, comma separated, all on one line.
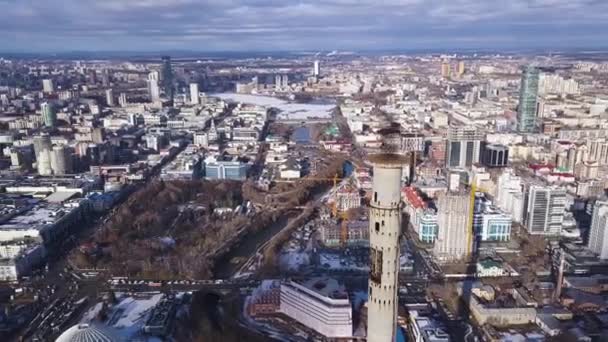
[(334, 207)]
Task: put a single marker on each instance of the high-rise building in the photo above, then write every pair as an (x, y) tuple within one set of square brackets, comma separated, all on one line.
[(92, 76), (110, 97), (461, 68), (42, 149), (122, 100), (510, 195), (154, 90), (528, 94), (194, 94), (167, 77), (105, 78), (463, 146), (598, 236), (154, 76), (385, 228), (48, 115), (598, 150), (545, 206), (277, 81), (495, 155), (445, 69), (489, 222), (556, 84), (453, 238), (281, 81), (316, 69), (61, 160), (47, 86)]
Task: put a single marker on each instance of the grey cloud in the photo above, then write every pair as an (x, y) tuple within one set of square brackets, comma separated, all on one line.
[(292, 24)]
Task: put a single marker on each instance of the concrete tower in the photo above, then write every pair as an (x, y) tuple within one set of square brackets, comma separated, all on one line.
[(385, 227)]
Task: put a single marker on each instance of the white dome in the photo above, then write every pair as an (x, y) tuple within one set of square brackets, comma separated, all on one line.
[(87, 333)]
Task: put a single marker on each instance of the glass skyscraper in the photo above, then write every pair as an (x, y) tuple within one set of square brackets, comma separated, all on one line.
[(526, 113), (48, 115), (167, 77)]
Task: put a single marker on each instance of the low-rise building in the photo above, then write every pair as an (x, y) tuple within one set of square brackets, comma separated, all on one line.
[(18, 258), (490, 312), (320, 304), (230, 169), (426, 329)]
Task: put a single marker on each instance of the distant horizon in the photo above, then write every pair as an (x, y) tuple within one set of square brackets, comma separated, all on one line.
[(191, 53)]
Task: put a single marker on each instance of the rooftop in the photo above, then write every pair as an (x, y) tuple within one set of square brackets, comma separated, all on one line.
[(327, 287)]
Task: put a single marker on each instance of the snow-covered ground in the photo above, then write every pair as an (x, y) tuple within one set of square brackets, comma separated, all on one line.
[(288, 110), (335, 262), (293, 261), (130, 313), (128, 316), (92, 313)]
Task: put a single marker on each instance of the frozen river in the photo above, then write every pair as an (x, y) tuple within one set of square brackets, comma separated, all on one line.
[(288, 110)]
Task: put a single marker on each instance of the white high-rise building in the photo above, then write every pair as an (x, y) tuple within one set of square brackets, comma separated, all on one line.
[(42, 149), (154, 90), (122, 100), (510, 195), (454, 239), (384, 231), (463, 146), (194, 93), (61, 160), (489, 222), (154, 76), (545, 209), (316, 69), (598, 236), (598, 151), (110, 97), (47, 86), (556, 84)]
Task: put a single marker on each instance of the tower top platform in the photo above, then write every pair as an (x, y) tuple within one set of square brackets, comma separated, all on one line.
[(388, 159)]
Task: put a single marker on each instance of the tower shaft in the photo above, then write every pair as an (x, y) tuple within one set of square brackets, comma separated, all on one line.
[(385, 227)]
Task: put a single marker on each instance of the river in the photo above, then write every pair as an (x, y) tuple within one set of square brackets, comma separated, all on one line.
[(228, 265)]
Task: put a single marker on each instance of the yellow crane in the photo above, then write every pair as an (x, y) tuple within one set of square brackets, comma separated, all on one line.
[(334, 207)]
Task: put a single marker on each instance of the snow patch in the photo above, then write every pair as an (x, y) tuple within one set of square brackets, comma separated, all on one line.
[(288, 110), (294, 261)]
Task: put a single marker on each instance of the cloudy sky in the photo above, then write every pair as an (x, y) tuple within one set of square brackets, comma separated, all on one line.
[(269, 25)]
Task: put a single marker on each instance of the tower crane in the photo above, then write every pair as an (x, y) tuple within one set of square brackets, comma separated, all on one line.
[(334, 206)]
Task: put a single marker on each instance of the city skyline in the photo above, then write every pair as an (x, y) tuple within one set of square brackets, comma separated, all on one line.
[(153, 25)]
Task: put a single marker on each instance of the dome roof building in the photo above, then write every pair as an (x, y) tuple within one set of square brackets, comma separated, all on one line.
[(88, 333)]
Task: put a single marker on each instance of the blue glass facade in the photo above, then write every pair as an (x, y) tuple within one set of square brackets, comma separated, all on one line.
[(428, 228), (226, 170)]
